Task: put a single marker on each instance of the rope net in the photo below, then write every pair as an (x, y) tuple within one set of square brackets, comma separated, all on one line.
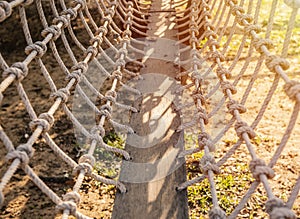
[(226, 53)]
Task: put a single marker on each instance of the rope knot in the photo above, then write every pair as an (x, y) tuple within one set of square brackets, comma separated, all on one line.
[(39, 47), (223, 71), (244, 18), (72, 196), (67, 205), (109, 12), (105, 110), (217, 55), (111, 96), (259, 43), (5, 10), (292, 89), (120, 63), (23, 152), (208, 163), (87, 168), (102, 30), (54, 30), (113, 3), (123, 52), (117, 74), (253, 27), (217, 213), (259, 167), (201, 114), (97, 39), (96, 130), (18, 69), (45, 120), (92, 50), (273, 61), (225, 85), (204, 139), (64, 19), (210, 33), (233, 105), (89, 159), (278, 210), (71, 12), (126, 34), (82, 3), (78, 70), (62, 93), (236, 9), (242, 127), (198, 96)]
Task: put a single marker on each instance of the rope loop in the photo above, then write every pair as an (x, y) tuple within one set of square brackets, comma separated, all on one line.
[(39, 47), (199, 96), (64, 19), (72, 196), (45, 120), (242, 127), (67, 205), (207, 163), (78, 70), (204, 139), (202, 115), (273, 61), (217, 213), (62, 93), (292, 89), (113, 3), (18, 69), (259, 167), (210, 33), (54, 30), (5, 10), (233, 105)]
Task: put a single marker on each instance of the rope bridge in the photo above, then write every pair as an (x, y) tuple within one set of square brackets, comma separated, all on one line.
[(196, 52)]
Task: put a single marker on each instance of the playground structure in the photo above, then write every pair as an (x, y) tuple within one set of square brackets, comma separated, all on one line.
[(152, 69)]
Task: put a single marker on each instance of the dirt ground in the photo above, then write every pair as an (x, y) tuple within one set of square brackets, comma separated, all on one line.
[(24, 200)]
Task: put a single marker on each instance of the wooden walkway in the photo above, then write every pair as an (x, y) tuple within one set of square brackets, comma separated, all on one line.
[(153, 174)]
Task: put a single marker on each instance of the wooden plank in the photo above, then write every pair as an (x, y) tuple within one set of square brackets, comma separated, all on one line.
[(154, 172)]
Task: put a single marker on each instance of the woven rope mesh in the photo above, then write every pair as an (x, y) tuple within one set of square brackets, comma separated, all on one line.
[(239, 76)]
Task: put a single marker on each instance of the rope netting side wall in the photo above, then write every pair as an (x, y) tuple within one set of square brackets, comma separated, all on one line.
[(223, 45)]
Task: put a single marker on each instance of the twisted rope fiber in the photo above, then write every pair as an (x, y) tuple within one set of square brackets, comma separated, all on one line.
[(132, 16)]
